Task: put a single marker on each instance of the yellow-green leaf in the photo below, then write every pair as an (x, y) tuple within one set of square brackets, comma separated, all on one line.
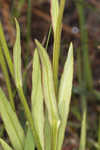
[(17, 57), (49, 93), (11, 122), (47, 132), (4, 145), (6, 51), (64, 95), (29, 140), (37, 99), (54, 13), (48, 84)]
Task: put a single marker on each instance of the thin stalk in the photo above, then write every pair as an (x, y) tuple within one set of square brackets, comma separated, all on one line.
[(28, 25), (99, 133), (28, 33), (6, 51), (29, 117), (84, 104), (16, 11), (87, 74), (48, 38), (56, 44), (79, 69), (13, 8), (83, 124), (7, 79)]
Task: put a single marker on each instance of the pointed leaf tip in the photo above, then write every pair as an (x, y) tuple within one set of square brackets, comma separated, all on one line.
[(37, 98), (64, 95), (17, 57)]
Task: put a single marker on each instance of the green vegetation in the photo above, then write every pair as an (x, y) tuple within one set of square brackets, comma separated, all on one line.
[(45, 90), (47, 116)]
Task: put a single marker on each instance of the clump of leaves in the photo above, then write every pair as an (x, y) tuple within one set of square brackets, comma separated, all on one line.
[(46, 126)]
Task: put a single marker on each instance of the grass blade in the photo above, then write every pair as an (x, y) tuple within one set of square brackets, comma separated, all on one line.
[(6, 51), (11, 122), (37, 99), (17, 57), (47, 132), (57, 43), (54, 13), (18, 81), (48, 85), (49, 93), (64, 95), (29, 141), (4, 145), (7, 79)]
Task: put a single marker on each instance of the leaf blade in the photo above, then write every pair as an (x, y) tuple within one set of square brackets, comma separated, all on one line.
[(49, 93), (4, 145), (6, 50), (65, 94), (17, 57), (37, 99), (54, 13), (11, 122), (29, 140)]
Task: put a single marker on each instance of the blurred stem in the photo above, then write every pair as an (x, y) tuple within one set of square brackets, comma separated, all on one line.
[(28, 25), (99, 133), (83, 102), (6, 76), (83, 124), (48, 38), (16, 11), (79, 69), (87, 75), (56, 44)]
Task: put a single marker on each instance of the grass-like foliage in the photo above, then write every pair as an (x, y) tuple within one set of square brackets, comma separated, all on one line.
[(50, 103)]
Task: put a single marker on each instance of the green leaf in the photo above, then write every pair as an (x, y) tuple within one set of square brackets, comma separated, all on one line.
[(18, 81), (4, 145), (11, 122), (37, 99), (6, 50), (48, 84), (29, 141), (54, 13), (6, 77), (64, 95), (17, 57), (47, 133), (49, 93)]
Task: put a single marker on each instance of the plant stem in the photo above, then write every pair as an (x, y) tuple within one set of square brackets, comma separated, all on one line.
[(15, 11), (28, 25), (99, 132), (84, 104), (83, 124), (87, 75), (56, 44), (48, 38)]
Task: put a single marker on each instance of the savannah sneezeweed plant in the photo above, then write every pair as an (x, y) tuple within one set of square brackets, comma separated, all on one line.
[(46, 125)]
